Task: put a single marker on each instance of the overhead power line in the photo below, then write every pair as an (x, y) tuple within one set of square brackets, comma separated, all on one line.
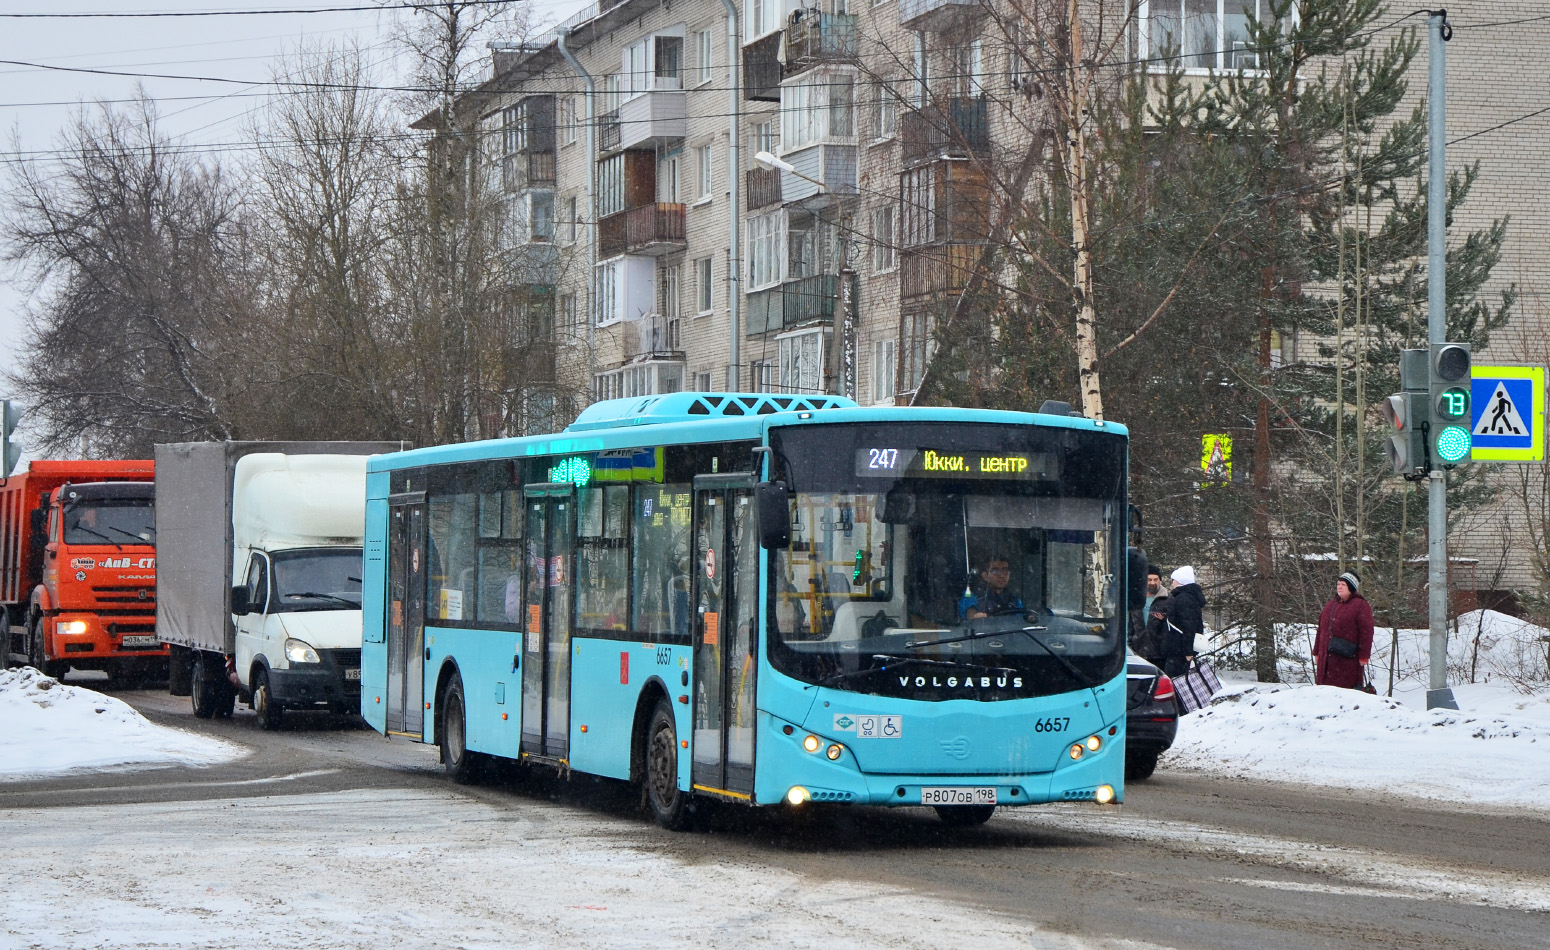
[(149, 14)]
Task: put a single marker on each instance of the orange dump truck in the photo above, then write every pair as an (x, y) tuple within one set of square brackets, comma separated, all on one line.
[(78, 569)]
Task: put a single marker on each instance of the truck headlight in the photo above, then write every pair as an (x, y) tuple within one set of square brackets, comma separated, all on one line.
[(298, 652), (70, 626)]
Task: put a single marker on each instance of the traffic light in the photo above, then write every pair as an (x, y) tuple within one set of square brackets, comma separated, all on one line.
[(1450, 366), (1406, 446), (10, 453)]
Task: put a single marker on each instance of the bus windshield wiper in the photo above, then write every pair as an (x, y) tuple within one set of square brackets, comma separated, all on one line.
[(910, 660), (1077, 674), (317, 596), (971, 635)]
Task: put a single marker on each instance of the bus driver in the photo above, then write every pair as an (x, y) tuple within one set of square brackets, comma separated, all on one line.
[(991, 595)]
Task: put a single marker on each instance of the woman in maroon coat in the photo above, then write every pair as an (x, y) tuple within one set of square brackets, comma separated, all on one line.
[(1347, 618)]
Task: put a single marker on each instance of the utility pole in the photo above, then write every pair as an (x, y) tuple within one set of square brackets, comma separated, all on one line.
[(1438, 695)]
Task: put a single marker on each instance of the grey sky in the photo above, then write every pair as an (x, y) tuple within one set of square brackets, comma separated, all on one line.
[(205, 113)]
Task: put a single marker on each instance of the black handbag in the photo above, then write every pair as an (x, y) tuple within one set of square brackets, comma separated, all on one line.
[(1339, 646)]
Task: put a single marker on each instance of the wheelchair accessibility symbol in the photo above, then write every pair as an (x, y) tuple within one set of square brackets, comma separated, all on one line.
[(879, 727)]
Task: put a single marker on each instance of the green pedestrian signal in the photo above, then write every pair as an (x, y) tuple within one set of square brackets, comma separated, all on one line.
[(1448, 380)]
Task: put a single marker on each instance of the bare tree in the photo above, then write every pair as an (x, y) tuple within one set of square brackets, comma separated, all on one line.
[(136, 259)]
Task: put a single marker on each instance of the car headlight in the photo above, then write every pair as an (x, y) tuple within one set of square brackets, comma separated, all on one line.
[(70, 626), (298, 652)]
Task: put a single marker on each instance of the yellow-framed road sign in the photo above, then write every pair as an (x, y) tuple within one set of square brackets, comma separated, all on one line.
[(1507, 413)]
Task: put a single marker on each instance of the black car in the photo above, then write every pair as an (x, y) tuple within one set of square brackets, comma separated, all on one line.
[(1151, 717)]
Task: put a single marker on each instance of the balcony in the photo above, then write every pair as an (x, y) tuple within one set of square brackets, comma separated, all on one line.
[(937, 14), (608, 132), (833, 165), (525, 170), (653, 336), (937, 270), (819, 38), (651, 230), (763, 187), (793, 303), (651, 119), (762, 70), (955, 128)]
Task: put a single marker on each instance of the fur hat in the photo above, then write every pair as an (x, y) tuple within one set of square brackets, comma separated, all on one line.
[(1184, 575), (1351, 581), (1154, 569)]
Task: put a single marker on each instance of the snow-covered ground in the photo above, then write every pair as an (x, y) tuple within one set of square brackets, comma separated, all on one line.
[(47, 727), (1495, 749)]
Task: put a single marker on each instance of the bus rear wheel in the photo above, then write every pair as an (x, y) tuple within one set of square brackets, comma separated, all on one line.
[(669, 804), (964, 816), (463, 767)]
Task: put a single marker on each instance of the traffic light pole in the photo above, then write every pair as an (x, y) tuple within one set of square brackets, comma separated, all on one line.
[(1438, 695)]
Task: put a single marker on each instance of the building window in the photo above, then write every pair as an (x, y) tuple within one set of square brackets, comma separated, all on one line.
[(568, 119), (885, 112), (916, 347), (969, 69), (884, 249), (607, 293), (801, 361), (761, 376), (702, 382), (704, 170), (764, 268), (541, 216), (569, 328), (763, 138), (610, 185), (672, 281), (571, 224), (883, 370), (1203, 34), (669, 185), (918, 189), (762, 16), (704, 43), (818, 108), (667, 69), (704, 299)]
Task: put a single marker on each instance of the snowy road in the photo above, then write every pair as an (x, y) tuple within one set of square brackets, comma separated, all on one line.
[(330, 836)]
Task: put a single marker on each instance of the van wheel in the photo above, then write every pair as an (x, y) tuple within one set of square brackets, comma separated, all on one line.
[(269, 712), (964, 816), (202, 691), (462, 766), (669, 804)]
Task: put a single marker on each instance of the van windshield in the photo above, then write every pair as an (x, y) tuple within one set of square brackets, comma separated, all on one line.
[(322, 579)]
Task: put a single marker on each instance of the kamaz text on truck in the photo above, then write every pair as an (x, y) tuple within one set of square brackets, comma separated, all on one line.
[(78, 569)]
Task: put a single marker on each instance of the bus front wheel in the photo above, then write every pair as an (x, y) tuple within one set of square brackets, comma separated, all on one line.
[(462, 766), (669, 804)]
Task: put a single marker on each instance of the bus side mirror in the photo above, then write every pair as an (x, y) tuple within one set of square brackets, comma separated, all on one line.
[(774, 515), (239, 601), (1135, 578), (1137, 528)]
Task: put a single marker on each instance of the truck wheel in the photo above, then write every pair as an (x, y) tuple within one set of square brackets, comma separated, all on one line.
[(269, 712), (202, 688), (5, 639), (964, 816), (669, 804), (55, 669), (180, 672), (463, 767)]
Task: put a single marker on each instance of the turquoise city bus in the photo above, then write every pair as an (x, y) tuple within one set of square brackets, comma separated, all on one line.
[(762, 599)]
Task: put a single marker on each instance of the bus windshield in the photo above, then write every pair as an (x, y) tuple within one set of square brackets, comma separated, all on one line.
[(117, 521), (950, 561)]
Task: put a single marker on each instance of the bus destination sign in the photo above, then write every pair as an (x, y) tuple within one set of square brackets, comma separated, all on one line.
[(882, 462)]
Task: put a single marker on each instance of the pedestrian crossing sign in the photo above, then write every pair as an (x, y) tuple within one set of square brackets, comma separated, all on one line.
[(1507, 413)]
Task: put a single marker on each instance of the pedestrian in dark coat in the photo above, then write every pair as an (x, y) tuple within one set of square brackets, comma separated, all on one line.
[(1185, 619), (1347, 618)]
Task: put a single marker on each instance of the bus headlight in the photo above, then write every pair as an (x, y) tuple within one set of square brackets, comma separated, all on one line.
[(812, 743), (70, 626), (298, 652), (834, 752), (1077, 750), (1104, 794), (1094, 743), (797, 795)]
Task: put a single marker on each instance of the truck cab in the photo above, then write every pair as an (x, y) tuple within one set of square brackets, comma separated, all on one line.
[(297, 523)]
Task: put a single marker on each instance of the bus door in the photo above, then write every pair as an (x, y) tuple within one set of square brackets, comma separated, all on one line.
[(726, 552), (407, 568), (549, 563)]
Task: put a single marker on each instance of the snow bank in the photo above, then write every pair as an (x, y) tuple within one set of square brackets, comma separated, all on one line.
[(1495, 751), (48, 727)]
